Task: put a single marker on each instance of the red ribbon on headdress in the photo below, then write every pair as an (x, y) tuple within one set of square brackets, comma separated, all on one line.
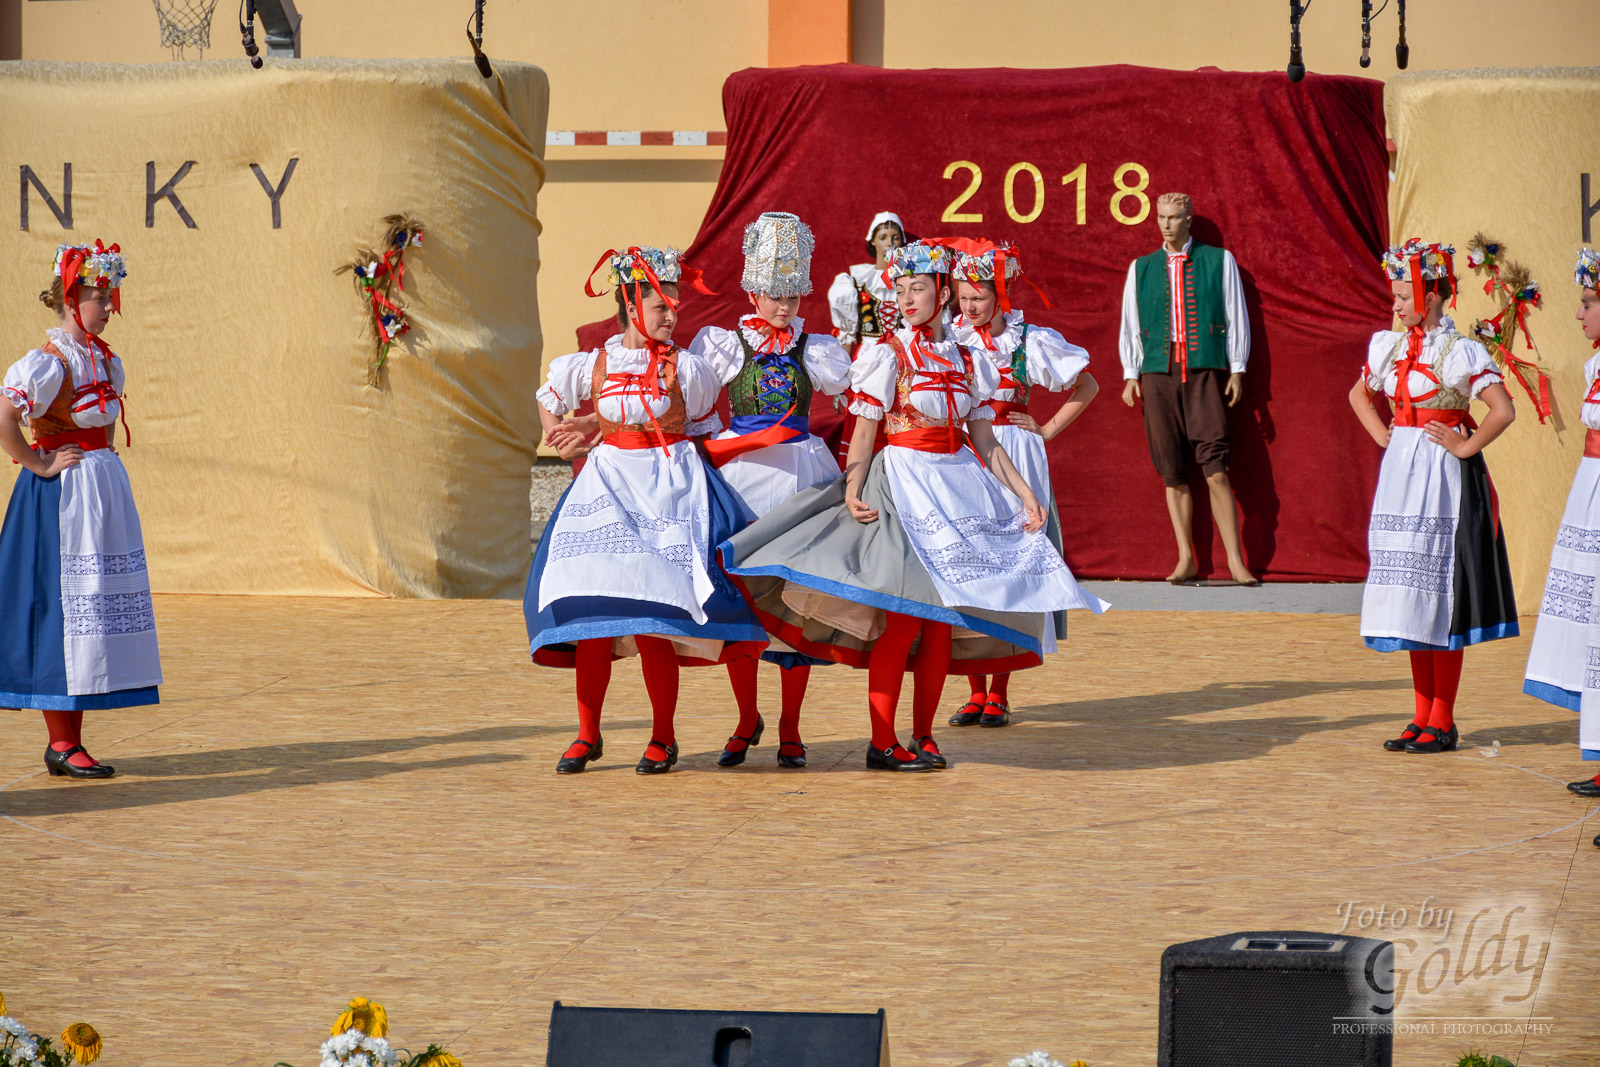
[(1419, 296), (977, 246)]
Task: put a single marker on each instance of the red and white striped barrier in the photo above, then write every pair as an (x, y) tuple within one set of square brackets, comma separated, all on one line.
[(626, 138)]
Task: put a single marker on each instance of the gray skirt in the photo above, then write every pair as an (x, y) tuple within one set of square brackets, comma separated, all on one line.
[(823, 583)]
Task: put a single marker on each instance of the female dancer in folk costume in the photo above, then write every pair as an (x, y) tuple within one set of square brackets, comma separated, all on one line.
[(864, 310), (625, 563), (922, 558), (1027, 357), (1438, 578), (772, 367), (77, 632), (1564, 662)]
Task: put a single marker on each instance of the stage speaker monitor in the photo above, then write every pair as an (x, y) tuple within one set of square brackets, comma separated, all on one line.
[(645, 1037), (1277, 998)]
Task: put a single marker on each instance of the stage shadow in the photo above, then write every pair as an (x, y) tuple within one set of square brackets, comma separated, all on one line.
[(180, 777), (1121, 733)]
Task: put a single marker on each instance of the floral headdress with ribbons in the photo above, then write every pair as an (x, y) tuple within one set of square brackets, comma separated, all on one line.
[(1418, 261), (777, 255), (1587, 271), (978, 260), (918, 257), (98, 267)]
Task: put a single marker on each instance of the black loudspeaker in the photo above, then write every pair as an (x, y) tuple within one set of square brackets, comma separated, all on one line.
[(645, 1037), (1277, 998)]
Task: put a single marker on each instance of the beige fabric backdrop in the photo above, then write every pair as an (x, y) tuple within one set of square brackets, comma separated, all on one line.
[(1503, 151), (261, 461)]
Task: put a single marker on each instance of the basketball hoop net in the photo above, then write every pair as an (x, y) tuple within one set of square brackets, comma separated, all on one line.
[(185, 24)]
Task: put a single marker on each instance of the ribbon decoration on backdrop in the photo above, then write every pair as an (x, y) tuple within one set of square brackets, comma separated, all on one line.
[(380, 279), (1517, 293)]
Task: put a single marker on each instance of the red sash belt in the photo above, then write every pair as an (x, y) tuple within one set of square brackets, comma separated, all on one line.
[(90, 440), (729, 448), (1413, 416), (642, 439), (1591, 444), (1002, 408), (929, 439)]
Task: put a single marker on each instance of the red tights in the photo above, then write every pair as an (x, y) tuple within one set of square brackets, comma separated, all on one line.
[(658, 659), (985, 691), (66, 730), (742, 675), (1436, 676), (886, 671)]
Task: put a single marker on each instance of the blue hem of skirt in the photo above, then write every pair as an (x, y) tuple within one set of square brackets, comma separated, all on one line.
[(121, 698), (635, 625), (886, 602), (1552, 694), (1457, 641), (1591, 753)]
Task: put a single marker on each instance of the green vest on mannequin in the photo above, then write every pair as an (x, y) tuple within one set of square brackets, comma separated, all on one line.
[(1206, 317)]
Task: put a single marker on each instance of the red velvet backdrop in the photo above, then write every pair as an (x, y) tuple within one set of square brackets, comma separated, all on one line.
[(1290, 178)]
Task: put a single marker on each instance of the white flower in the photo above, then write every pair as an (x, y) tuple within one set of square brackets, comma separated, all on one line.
[(1036, 1058), (24, 1049)]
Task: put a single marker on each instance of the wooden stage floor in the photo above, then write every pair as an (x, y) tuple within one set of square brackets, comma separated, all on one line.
[(341, 798)]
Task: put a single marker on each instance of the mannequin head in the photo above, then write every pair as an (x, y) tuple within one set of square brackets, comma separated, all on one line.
[(1589, 313), (778, 310), (980, 304), (887, 235), (922, 297), (1174, 216), (1435, 294)]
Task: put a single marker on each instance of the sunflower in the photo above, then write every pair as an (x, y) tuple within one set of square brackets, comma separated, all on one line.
[(363, 1015), (83, 1041), (435, 1057)]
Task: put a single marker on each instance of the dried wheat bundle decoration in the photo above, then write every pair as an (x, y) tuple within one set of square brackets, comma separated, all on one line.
[(380, 280), (1514, 288)]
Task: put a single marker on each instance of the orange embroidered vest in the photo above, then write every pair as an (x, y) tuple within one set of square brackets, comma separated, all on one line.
[(672, 422)]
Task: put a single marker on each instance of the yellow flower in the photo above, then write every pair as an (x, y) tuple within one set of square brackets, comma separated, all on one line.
[(82, 1041), (436, 1057), (364, 1015), (2, 1003)]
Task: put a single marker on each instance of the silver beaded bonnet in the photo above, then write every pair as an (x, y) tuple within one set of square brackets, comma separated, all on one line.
[(777, 255)]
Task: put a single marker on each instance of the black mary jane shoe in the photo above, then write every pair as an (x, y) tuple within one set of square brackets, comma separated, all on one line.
[(593, 750), (992, 719), (1408, 735), (791, 761), (60, 766), (883, 759), (919, 745), (1589, 788), (657, 766), (731, 757), (968, 718), (1436, 742)]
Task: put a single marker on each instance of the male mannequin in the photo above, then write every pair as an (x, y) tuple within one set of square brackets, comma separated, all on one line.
[(1184, 344)]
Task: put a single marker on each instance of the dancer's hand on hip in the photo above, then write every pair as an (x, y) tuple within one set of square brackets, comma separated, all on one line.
[(59, 460)]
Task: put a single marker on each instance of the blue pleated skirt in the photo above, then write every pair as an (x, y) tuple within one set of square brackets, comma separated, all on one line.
[(33, 669)]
